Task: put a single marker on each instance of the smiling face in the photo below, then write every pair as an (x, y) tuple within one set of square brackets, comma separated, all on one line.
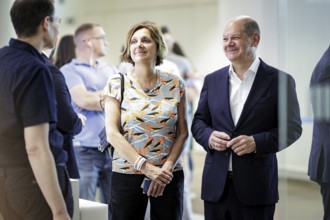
[(238, 46), (142, 47)]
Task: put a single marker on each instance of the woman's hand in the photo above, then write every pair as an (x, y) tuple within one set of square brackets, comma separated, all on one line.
[(159, 175), (155, 189)]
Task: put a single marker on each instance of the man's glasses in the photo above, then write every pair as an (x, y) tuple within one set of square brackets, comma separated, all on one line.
[(103, 38), (56, 20), (99, 38)]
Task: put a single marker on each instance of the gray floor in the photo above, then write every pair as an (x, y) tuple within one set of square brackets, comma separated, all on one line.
[(299, 199)]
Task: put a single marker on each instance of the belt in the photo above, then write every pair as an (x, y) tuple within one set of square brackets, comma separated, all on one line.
[(4, 171)]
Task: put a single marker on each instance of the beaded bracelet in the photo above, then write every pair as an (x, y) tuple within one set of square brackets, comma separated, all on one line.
[(139, 163)]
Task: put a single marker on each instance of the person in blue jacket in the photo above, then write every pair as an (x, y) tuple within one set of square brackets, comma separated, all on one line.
[(319, 160)]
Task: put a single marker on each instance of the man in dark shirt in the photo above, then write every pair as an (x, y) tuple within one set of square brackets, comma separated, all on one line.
[(29, 186), (69, 123)]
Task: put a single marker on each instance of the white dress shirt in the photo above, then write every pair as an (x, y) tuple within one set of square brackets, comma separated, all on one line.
[(239, 91)]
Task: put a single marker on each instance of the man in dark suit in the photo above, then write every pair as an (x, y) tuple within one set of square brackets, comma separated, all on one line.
[(237, 122), (319, 160)]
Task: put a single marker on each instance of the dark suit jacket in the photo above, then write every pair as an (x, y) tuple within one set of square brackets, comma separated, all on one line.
[(68, 123), (255, 176), (319, 161)]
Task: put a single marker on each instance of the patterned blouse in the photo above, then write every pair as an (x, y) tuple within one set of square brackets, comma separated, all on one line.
[(148, 119)]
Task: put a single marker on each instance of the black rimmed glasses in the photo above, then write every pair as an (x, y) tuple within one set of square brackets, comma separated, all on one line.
[(55, 19)]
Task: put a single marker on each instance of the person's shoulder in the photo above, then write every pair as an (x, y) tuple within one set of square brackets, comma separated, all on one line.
[(50, 65), (266, 67), (114, 81), (169, 66), (32, 65), (274, 72), (218, 72), (116, 76), (32, 69), (4, 50), (271, 69), (25, 63), (166, 76), (69, 67), (53, 69), (11, 55)]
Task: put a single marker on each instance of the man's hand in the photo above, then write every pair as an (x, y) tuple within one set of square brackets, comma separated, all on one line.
[(218, 141), (242, 145)]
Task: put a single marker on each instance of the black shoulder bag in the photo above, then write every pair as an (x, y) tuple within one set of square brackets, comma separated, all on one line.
[(104, 144)]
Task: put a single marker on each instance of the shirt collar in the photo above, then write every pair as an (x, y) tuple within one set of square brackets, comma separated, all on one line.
[(252, 69), (80, 63), (255, 65), (26, 47)]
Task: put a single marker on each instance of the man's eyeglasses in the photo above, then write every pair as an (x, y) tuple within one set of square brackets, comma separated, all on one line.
[(99, 38), (103, 38), (57, 20)]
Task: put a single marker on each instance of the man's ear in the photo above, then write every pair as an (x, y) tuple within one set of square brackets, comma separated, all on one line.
[(45, 23), (89, 43), (256, 39)]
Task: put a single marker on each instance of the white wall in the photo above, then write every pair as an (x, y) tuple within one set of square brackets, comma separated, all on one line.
[(6, 28), (194, 23)]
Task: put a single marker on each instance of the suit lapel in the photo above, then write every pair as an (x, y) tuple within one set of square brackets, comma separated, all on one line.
[(223, 85), (261, 82)]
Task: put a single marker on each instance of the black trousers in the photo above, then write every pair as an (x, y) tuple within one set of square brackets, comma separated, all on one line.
[(229, 207), (325, 192), (128, 202)]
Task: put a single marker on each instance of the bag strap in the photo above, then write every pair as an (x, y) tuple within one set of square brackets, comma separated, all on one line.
[(122, 87)]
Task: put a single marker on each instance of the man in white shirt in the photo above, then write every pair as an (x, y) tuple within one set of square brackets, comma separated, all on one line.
[(237, 123)]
